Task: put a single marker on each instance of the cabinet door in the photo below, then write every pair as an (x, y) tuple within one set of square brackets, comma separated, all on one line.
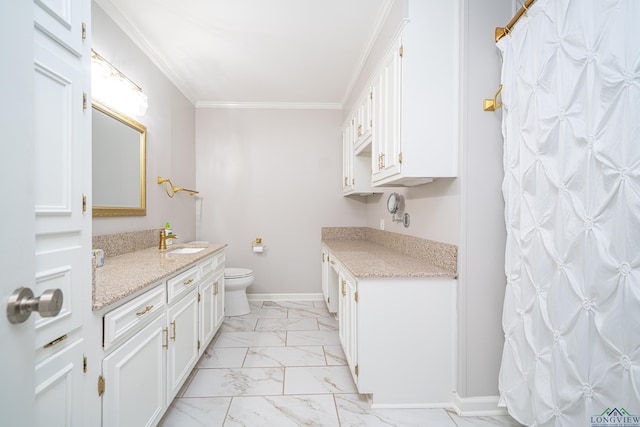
[(351, 330), (363, 122), (387, 90), (329, 282), (219, 299), (207, 311), (342, 312), (135, 379), (182, 319), (367, 116), (347, 158), (348, 322), (325, 277), (211, 307)]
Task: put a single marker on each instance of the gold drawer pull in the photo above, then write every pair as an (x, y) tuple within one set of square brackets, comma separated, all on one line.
[(145, 311), (165, 332), (215, 288), (56, 341), (173, 325), (187, 282)]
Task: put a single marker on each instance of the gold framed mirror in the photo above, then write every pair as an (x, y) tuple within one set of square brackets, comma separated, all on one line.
[(119, 163)]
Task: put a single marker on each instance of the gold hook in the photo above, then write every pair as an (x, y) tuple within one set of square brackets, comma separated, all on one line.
[(493, 104)]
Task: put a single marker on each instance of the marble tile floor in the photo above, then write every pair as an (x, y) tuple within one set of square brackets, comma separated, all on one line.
[(282, 365)]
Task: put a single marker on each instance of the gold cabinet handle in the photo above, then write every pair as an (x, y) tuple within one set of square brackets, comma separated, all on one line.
[(165, 331), (56, 341), (173, 327), (344, 292), (145, 311), (186, 282), (359, 130), (332, 262), (215, 288)]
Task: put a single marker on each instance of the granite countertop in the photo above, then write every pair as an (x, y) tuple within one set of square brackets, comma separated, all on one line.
[(366, 259), (125, 275)]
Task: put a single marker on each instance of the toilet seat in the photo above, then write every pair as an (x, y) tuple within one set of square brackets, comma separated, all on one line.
[(237, 273)]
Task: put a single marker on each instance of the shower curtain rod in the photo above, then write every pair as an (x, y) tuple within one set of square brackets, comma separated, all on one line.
[(501, 32)]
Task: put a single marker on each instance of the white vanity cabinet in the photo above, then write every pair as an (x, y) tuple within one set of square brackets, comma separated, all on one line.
[(398, 336), (152, 342)]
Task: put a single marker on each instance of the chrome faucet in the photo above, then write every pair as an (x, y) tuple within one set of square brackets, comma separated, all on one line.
[(163, 239)]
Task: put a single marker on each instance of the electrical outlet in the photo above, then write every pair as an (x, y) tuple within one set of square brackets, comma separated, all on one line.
[(382, 224)]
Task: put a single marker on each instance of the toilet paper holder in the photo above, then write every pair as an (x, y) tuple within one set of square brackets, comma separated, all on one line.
[(257, 246)]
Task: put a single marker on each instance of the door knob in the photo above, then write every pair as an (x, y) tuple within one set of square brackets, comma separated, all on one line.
[(21, 303)]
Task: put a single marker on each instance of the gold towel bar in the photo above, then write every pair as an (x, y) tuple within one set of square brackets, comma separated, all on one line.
[(174, 189)]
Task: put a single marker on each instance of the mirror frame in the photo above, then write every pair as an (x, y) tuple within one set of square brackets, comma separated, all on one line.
[(111, 211)]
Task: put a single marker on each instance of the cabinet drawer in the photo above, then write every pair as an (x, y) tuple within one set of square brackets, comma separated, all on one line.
[(125, 321), (182, 283), (215, 262)]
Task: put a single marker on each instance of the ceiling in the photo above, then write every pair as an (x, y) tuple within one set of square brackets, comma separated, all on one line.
[(250, 52)]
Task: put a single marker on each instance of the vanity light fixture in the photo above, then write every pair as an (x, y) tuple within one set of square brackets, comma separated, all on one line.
[(112, 87)]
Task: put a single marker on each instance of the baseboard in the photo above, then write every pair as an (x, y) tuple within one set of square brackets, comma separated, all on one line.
[(285, 297), (442, 405), (477, 406)]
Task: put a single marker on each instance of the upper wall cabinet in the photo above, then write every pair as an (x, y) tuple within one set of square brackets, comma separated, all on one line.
[(413, 100), (356, 169)]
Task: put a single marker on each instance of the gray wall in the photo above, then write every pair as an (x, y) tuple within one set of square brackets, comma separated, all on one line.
[(170, 122), (274, 174), (482, 281)]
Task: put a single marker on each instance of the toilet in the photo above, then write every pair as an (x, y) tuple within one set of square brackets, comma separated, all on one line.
[(236, 281)]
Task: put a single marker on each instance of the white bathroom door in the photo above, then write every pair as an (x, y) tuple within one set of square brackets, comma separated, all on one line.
[(17, 260)]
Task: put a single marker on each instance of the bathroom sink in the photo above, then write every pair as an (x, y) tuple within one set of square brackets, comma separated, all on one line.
[(186, 250)]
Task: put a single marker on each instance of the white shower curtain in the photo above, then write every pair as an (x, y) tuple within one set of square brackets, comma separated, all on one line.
[(571, 127)]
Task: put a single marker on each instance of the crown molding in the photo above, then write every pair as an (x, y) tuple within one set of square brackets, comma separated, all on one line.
[(270, 105)]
